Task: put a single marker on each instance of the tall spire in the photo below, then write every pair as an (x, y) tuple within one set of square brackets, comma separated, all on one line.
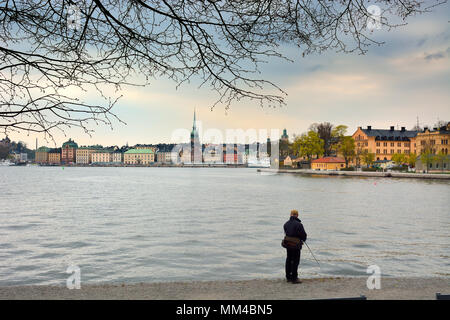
[(194, 126)]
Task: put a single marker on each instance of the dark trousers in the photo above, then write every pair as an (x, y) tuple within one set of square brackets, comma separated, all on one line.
[(292, 261)]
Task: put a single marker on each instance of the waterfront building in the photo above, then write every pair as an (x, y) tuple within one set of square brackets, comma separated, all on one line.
[(41, 155), (20, 157), (139, 156), (84, 154), (145, 146), (117, 157), (54, 156), (384, 143), (436, 140), (68, 152), (164, 157), (434, 145), (103, 156), (213, 153), (23, 157), (184, 153), (287, 162), (328, 163), (437, 164), (245, 156)]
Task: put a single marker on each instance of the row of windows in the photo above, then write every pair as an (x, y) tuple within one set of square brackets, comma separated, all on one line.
[(437, 165), (399, 144), (385, 151), (323, 165), (444, 151)]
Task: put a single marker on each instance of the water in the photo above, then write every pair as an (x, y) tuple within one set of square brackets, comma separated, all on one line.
[(172, 224)]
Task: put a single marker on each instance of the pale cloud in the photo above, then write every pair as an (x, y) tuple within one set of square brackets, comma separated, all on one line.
[(336, 84)]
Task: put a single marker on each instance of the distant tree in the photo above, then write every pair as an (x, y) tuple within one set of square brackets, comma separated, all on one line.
[(51, 51), (412, 158), (330, 135), (427, 157), (347, 149), (338, 134), (440, 158), (368, 158), (325, 132), (359, 152), (399, 158), (308, 145), (4, 151)]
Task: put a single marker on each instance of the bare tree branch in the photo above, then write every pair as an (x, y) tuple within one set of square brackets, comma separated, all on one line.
[(49, 48)]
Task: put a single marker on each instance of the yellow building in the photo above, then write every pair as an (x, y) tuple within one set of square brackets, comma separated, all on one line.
[(139, 156), (435, 140), (328, 163), (54, 156), (145, 146), (41, 155), (287, 161), (84, 154), (384, 143), (102, 156), (434, 145)]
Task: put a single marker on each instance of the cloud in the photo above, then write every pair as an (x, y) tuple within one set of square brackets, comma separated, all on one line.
[(437, 55)]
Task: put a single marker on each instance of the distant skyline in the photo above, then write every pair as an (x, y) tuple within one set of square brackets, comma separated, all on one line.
[(392, 85)]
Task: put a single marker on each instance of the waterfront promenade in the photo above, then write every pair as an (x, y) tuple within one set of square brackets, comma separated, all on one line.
[(361, 173), (261, 289)]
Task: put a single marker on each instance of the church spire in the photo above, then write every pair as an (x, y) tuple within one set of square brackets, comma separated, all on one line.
[(194, 126)]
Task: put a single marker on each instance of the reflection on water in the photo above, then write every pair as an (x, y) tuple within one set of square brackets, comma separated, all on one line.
[(166, 224)]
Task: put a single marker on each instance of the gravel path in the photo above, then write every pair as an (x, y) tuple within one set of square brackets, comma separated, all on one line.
[(391, 288)]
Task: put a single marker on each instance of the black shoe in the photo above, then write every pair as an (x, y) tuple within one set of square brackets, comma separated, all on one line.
[(296, 281)]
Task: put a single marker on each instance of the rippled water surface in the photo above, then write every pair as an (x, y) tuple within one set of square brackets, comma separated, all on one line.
[(167, 224)]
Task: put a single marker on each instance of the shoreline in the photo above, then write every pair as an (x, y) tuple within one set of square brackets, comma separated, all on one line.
[(396, 288), (443, 176)]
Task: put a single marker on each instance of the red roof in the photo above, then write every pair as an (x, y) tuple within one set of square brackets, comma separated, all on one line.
[(329, 160)]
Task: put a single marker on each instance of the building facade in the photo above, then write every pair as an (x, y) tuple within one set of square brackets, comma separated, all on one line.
[(384, 143), (328, 163), (84, 154), (41, 155), (102, 156), (139, 156), (68, 152), (164, 157), (436, 140), (434, 145), (117, 157), (54, 156), (145, 146)]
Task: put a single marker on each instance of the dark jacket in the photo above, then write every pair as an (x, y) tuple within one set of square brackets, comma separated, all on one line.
[(294, 228)]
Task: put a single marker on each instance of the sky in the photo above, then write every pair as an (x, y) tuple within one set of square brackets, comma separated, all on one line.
[(405, 79)]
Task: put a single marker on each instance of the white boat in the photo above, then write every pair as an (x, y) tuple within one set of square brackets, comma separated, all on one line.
[(259, 163), (5, 163)]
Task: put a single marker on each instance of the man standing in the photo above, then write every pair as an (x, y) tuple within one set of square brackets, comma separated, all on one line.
[(295, 235)]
